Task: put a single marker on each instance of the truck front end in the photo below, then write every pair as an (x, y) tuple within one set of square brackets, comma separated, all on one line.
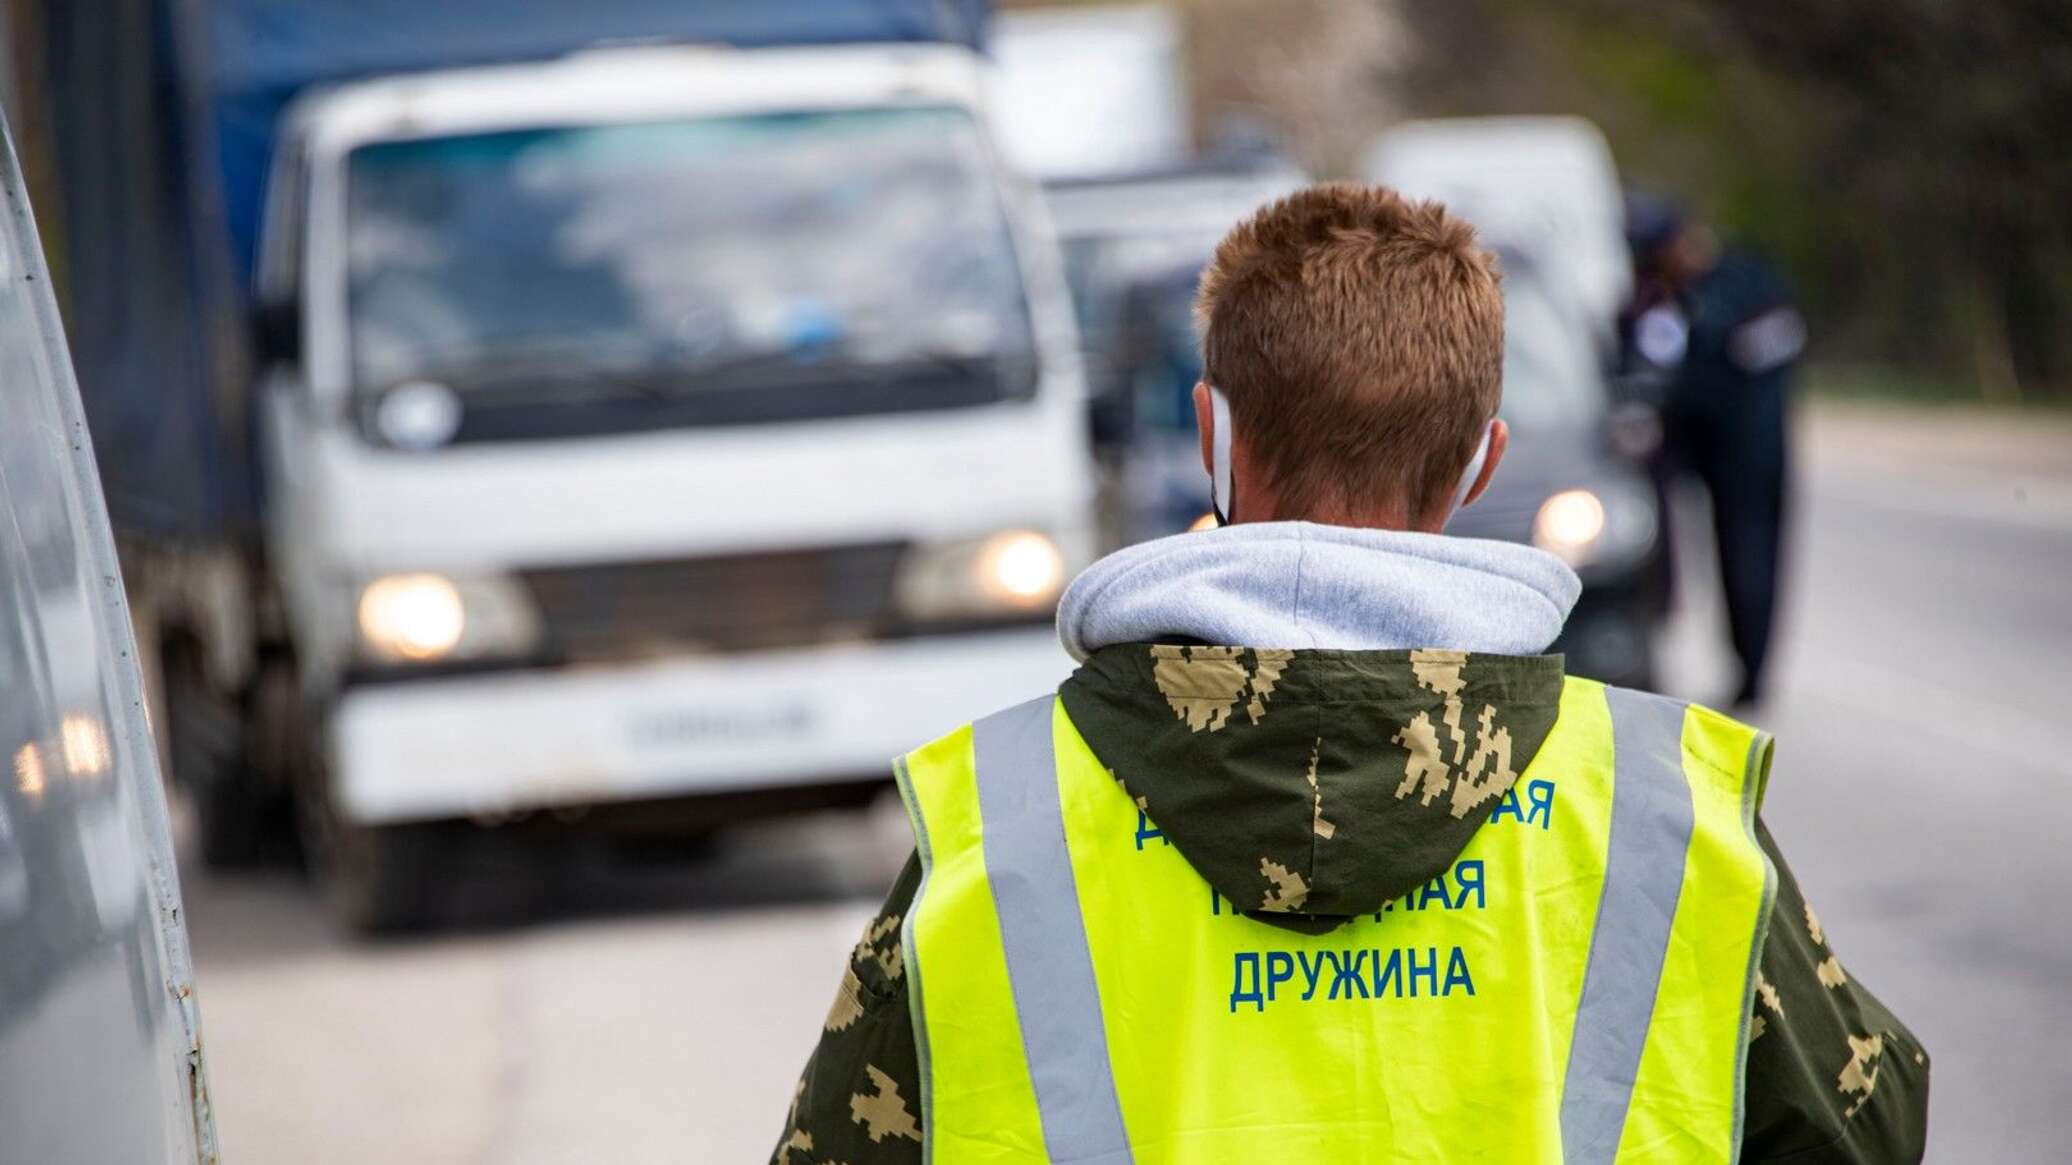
[(665, 423)]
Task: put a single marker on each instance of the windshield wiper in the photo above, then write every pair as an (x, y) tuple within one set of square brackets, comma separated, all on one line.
[(518, 377), (752, 366), (515, 378), (787, 367), (1019, 363)]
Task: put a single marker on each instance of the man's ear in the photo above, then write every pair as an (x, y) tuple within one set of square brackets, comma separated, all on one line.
[(1499, 440), (1205, 424)]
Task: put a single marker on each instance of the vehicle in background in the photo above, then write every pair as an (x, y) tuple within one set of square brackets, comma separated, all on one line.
[(1544, 194), (1135, 246), (1566, 488), (584, 489), (1091, 90), (654, 432), (1094, 103), (100, 1052)]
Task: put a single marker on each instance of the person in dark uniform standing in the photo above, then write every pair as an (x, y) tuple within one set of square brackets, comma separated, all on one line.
[(1719, 333)]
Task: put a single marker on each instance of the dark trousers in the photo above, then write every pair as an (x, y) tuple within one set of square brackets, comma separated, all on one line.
[(1740, 453)]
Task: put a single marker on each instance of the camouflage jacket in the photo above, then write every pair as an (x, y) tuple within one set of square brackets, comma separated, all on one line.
[(1832, 1076)]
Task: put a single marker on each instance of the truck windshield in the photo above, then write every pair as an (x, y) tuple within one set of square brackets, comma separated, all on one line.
[(838, 261)]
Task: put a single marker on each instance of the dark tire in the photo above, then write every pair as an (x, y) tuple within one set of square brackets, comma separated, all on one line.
[(383, 879), (230, 823), (205, 736), (373, 879)]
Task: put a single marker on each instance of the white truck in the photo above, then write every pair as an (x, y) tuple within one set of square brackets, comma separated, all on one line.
[(658, 433), (655, 422)]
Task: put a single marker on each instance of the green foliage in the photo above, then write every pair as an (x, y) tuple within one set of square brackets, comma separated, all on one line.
[(1903, 159)]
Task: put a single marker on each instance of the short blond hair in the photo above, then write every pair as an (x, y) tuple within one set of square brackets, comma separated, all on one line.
[(1360, 339)]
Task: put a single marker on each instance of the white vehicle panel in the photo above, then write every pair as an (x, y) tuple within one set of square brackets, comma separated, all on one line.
[(489, 745), (100, 1041), (1115, 66), (686, 492)]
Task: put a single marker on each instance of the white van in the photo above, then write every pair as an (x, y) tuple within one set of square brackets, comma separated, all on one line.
[(655, 422)]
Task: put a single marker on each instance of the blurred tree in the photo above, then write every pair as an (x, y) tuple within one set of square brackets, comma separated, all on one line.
[(1904, 157), (1316, 76), (1320, 72)]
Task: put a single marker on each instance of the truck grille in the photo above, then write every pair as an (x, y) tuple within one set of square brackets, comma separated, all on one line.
[(738, 602)]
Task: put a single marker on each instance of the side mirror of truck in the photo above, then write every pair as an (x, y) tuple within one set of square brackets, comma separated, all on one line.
[(277, 332)]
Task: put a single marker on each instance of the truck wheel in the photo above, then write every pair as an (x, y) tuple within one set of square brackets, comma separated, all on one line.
[(205, 739), (374, 879), (381, 879), (228, 822)]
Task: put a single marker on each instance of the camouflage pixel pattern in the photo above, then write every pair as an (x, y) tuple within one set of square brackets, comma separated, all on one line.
[(859, 1099)]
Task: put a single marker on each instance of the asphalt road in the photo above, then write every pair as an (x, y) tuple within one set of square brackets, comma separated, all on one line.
[(1922, 792)]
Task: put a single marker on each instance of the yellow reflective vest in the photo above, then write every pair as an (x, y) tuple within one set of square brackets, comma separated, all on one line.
[(1583, 995)]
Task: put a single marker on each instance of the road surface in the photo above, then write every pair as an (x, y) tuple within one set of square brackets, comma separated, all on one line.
[(1922, 791)]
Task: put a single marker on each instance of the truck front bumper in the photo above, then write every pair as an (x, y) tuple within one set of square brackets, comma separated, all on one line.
[(490, 744)]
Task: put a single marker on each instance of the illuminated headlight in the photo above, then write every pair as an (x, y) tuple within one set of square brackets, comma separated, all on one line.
[(1014, 571), (1611, 525), (1021, 568), (1569, 524), (424, 617)]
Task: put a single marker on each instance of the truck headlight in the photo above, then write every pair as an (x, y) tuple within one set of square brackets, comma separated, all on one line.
[(1610, 525), (1011, 572), (423, 617), (1021, 568)]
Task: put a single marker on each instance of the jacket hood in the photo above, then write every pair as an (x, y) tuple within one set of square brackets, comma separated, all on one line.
[(1317, 718), (1302, 585)]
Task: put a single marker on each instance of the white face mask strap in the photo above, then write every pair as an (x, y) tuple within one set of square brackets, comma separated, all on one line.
[(1221, 493), (1474, 469)]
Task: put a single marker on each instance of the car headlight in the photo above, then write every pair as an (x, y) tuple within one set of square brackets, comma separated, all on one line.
[(1610, 525), (424, 617), (1011, 572)]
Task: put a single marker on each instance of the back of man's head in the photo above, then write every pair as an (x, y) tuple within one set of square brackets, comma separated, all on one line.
[(1359, 337)]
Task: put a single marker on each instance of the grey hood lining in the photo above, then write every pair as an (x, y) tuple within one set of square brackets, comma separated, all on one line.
[(1303, 585)]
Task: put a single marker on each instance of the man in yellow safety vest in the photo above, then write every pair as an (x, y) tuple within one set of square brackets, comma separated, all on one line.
[(1317, 858)]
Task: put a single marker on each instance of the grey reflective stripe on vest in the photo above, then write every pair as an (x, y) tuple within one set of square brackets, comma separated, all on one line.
[(1643, 877), (1049, 966)]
